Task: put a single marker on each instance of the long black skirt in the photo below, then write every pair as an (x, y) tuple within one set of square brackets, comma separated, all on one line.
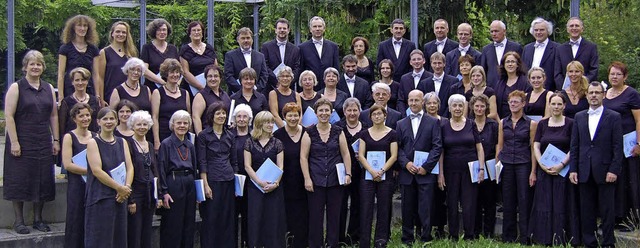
[(218, 219), (105, 224), (266, 214)]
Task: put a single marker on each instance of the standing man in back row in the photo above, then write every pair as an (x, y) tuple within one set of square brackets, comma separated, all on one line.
[(318, 53), (492, 53), (441, 44), (243, 57), (279, 52), (577, 48), (465, 35), (397, 49)]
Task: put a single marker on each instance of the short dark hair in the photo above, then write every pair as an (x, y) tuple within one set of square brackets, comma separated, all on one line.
[(154, 25), (467, 58), (282, 20), (375, 107), (213, 67), (349, 58), (212, 109), (75, 110), (397, 21), (126, 103), (193, 24), (388, 61)]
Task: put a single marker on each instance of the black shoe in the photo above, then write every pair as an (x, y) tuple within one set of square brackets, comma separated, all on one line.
[(41, 226), (21, 229)]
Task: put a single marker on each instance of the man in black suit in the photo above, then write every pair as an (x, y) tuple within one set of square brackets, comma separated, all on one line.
[(441, 44), (238, 59), (396, 49), (410, 80), (381, 94), (318, 53), (541, 52), (492, 53), (280, 51), (596, 162), (440, 83), (353, 85), (577, 48), (417, 132), (465, 35)]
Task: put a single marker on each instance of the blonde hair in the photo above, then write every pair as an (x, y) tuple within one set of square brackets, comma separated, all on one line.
[(69, 32), (479, 69), (584, 82), (260, 119), (130, 49), (33, 55)]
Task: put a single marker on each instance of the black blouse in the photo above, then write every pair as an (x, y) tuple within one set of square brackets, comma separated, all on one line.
[(323, 156), (217, 156), (257, 102), (175, 155), (516, 148)]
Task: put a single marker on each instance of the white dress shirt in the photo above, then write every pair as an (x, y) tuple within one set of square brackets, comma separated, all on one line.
[(463, 50), (500, 50), (351, 83), (415, 122), (437, 82), (594, 118), (574, 48), (247, 57), (538, 51), (319, 46), (441, 44), (416, 77), (396, 47)]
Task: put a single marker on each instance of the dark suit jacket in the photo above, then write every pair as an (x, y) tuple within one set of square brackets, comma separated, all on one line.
[(271, 53), (361, 90), (490, 62), (430, 48), (603, 154), (393, 116), (427, 86), (406, 86), (309, 59), (400, 64), (427, 139), (587, 55), (234, 62), (452, 67), (547, 63)]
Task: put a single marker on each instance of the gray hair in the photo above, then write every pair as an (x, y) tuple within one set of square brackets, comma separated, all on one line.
[(317, 18), (502, 25), (179, 115), (456, 98), (132, 63), (350, 101), (380, 86), (331, 70), (538, 20), (140, 115), (242, 107), (285, 69), (304, 74), (430, 95)]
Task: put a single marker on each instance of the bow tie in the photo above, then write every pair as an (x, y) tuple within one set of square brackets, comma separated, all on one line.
[(317, 42), (437, 79), (439, 43), (574, 43), (414, 116), (496, 44), (395, 42), (246, 51), (594, 112), (350, 81), (284, 43), (538, 45), (415, 75), (463, 49)]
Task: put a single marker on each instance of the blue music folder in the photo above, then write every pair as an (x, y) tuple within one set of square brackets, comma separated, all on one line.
[(268, 172), (334, 117), (202, 80), (490, 166), (200, 196), (553, 156), (420, 157), (629, 141), (342, 173), (356, 145), (376, 160), (474, 170), (309, 117), (80, 159), (119, 174), (239, 184)]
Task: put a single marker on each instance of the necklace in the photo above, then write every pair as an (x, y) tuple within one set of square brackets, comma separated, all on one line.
[(326, 132), (134, 88), (170, 91), (83, 99), (294, 134), (308, 97), (145, 153), (78, 47), (457, 124), (108, 142), (183, 157), (353, 127), (615, 93), (572, 95)]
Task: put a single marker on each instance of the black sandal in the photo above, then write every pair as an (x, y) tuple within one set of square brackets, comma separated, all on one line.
[(41, 226), (21, 229)]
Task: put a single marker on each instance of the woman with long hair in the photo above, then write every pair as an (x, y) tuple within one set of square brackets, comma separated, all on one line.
[(79, 40), (157, 51), (513, 76), (108, 67)]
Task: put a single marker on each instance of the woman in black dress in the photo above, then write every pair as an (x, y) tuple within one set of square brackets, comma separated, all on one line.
[(168, 99), (217, 164), (176, 173), (210, 94), (515, 137), (364, 69), (386, 70), (79, 39), (242, 118), (308, 96), (487, 129), (80, 79), (108, 67), (479, 87), (461, 145), (513, 76), (377, 187), (155, 53), (295, 196), (247, 95), (465, 63), (194, 57), (124, 110), (73, 143), (537, 105), (432, 107), (131, 89), (549, 211), (31, 118), (352, 127), (331, 92), (143, 201), (266, 209), (576, 93), (626, 101), (105, 219), (282, 95), (323, 146)]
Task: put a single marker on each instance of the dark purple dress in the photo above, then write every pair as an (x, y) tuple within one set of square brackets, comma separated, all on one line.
[(168, 106), (309, 103), (74, 223), (152, 56), (488, 91), (145, 168), (77, 59), (366, 73), (241, 202), (142, 100), (547, 225), (570, 110), (197, 62), (538, 107), (113, 75), (66, 122), (284, 99), (30, 176), (503, 91)]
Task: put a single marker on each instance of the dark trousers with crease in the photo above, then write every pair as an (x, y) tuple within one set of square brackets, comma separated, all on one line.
[(601, 197), (486, 213), (516, 199), (417, 204), (378, 195), (460, 190), (177, 227), (350, 213), (329, 198)]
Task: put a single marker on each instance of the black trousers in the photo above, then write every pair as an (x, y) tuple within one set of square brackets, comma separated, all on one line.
[(350, 212), (297, 222), (486, 210), (460, 190), (177, 227), (516, 199), (329, 198), (218, 219), (375, 194), (417, 204), (601, 197), (139, 227)]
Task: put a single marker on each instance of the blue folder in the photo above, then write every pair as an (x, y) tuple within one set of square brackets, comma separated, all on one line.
[(474, 170), (629, 141), (80, 159), (119, 174), (309, 117), (376, 160), (553, 156), (268, 172), (334, 117), (200, 197), (239, 184), (490, 167), (202, 80), (420, 157)]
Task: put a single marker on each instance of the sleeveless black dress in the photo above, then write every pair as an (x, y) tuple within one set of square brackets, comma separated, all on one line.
[(168, 106), (284, 99), (74, 227), (113, 75)]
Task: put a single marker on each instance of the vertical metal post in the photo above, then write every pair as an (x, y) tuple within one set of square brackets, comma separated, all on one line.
[(256, 26), (143, 23), (297, 27), (574, 9), (11, 45), (414, 22), (210, 28)]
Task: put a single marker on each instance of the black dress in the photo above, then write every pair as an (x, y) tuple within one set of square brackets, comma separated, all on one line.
[(488, 91), (258, 102), (66, 122), (35, 163), (503, 91), (295, 195), (197, 62), (309, 103), (144, 170), (241, 202), (487, 196), (168, 106), (113, 75), (366, 73), (152, 56), (210, 97), (341, 96), (548, 220), (538, 107), (74, 222), (105, 219), (142, 100), (570, 109), (266, 211), (77, 59), (284, 99)]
